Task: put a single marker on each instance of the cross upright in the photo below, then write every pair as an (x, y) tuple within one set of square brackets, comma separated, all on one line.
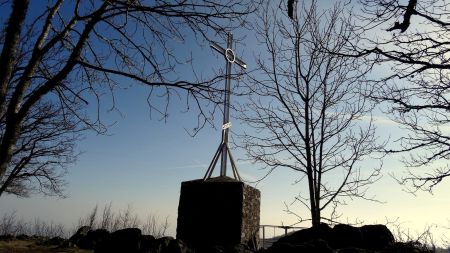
[(224, 151)]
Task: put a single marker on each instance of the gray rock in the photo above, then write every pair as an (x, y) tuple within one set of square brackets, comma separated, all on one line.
[(125, 240), (169, 245), (321, 232), (345, 236), (147, 243), (94, 239), (376, 237), (55, 241), (352, 250), (241, 248), (81, 233), (318, 246)]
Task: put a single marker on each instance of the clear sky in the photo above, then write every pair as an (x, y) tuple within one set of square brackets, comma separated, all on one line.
[(142, 162)]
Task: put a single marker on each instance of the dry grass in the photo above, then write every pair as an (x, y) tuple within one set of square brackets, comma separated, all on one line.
[(19, 246), (107, 219), (11, 225)]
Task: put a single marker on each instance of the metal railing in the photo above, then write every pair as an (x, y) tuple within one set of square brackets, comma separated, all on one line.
[(267, 238)]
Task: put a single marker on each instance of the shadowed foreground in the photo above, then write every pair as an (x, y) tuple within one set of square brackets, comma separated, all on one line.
[(322, 239), (35, 246)]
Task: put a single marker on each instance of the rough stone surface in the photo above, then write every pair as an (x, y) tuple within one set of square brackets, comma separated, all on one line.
[(342, 238), (345, 236), (321, 232), (376, 237), (227, 249), (125, 240), (94, 238), (219, 211), (250, 217), (79, 235), (147, 243), (314, 246), (352, 250), (168, 245), (55, 241)]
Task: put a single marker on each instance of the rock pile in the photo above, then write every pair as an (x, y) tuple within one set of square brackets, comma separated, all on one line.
[(321, 239), (129, 240), (343, 239)]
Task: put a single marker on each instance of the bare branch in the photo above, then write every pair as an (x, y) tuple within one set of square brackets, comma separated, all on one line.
[(69, 56)]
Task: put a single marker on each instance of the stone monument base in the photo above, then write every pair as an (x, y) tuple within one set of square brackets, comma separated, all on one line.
[(219, 211)]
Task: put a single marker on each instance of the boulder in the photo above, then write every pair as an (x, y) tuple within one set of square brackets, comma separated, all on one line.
[(81, 233), (342, 238), (125, 240), (345, 236), (376, 237), (407, 247), (312, 239), (352, 250), (6, 237), (321, 232), (283, 247), (147, 243), (239, 248), (242, 248), (316, 246), (93, 239), (211, 249), (161, 244), (169, 245), (23, 237), (55, 241), (176, 246)]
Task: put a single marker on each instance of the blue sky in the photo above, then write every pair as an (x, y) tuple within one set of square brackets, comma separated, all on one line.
[(142, 162)]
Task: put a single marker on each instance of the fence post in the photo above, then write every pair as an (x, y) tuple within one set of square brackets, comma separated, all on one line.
[(264, 236), (286, 228)]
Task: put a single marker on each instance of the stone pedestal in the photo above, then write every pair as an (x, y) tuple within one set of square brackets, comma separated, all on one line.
[(218, 211)]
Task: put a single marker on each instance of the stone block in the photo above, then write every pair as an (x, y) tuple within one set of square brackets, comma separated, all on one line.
[(218, 211)]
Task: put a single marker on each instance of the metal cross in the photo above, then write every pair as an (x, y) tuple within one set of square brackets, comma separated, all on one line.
[(224, 150)]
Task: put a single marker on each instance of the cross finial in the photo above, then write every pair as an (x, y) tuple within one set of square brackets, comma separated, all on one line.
[(224, 151)]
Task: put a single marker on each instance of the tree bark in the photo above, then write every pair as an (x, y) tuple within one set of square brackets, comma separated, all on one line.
[(7, 60), (8, 56), (15, 116)]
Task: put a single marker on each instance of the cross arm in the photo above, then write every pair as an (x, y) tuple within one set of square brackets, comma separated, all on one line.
[(240, 63), (218, 48), (222, 51)]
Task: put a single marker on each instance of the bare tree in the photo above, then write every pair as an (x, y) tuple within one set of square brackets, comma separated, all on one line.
[(307, 113), (416, 48), (59, 56), (42, 153)]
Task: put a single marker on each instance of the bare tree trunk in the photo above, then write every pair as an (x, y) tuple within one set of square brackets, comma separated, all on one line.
[(311, 106), (8, 56), (15, 114), (7, 61)]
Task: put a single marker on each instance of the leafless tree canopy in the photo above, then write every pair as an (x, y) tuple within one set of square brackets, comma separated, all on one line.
[(308, 110), (416, 48), (59, 56)]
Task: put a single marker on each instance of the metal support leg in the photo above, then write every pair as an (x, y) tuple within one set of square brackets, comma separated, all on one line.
[(233, 166), (213, 162)]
